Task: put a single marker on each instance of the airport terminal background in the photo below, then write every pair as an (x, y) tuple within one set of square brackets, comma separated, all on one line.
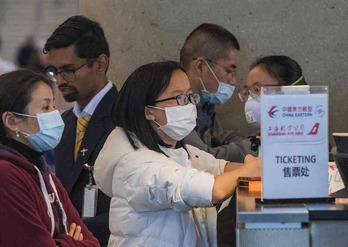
[(313, 32)]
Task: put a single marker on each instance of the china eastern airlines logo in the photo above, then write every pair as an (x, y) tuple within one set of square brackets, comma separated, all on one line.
[(272, 111)]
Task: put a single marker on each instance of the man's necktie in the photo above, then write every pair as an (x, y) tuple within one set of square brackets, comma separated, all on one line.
[(82, 123)]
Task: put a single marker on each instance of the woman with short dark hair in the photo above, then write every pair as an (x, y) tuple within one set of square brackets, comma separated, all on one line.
[(35, 209), (268, 71), (163, 191)]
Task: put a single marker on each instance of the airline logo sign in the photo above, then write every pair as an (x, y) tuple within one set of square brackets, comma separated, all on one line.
[(272, 111), (294, 130), (296, 111), (314, 130), (291, 130), (320, 111), (293, 120)]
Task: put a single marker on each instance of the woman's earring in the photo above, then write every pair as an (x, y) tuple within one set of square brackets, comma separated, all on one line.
[(17, 133)]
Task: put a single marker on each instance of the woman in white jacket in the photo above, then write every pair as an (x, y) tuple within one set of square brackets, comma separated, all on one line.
[(163, 192)]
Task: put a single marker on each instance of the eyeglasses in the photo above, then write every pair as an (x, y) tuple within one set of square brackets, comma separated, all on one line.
[(67, 74), (253, 91), (229, 71), (183, 99)]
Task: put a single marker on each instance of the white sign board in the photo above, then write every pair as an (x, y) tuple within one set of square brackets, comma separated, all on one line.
[(294, 130)]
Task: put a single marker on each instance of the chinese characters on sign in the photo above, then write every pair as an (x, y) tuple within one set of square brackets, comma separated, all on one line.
[(285, 130), (294, 143), (296, 171)]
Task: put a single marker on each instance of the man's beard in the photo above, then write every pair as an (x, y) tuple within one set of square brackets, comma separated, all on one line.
[(71, 97)]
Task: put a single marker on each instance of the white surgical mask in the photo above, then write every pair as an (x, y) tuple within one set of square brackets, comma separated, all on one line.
[(51, 130), (181, 120), (253, 111)]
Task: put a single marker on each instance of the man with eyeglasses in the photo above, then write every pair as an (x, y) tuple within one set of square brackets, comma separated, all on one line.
[(210, 57), (78, 57)]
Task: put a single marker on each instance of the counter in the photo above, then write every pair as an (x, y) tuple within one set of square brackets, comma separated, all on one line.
[(300, 224)]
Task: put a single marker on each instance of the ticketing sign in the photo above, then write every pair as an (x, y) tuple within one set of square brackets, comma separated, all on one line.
[(294, 131)]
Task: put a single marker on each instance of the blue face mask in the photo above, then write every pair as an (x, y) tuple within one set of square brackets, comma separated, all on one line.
[(222, 95), (51, 130)]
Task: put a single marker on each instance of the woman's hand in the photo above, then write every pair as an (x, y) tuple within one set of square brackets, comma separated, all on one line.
[(75, 232), (250, 168), (226, 183), (253, 165)]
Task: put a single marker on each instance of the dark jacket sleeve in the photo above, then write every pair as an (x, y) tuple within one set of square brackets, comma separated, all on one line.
[(222, 137), (73, 217), (229, 152), (99, 226), (222, 144)]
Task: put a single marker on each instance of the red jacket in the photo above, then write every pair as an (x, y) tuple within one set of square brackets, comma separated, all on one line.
[(24, 218)]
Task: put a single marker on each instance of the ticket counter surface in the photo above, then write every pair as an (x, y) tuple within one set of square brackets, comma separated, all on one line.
[(290, 224)]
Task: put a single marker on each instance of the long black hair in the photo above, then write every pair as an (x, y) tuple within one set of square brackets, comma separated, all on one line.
[(15, 92), (282, 68), (141, 89)]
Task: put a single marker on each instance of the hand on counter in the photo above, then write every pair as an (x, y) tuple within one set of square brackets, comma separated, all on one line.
[(255, 165), (226, 183)]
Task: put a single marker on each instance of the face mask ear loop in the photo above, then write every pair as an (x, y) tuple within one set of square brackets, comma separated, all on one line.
[(212, 72), (202, 84), (155, 107), (24, 115), (159, 126), (26, 134)]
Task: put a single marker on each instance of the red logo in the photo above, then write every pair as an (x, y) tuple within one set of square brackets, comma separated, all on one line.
[(314, 130), (272, 111)]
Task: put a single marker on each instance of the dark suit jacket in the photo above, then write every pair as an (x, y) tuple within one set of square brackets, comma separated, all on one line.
[(72, 174)]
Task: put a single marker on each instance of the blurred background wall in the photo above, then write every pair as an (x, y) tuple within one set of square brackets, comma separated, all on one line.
[(29, 23), (38, 18), (313, 32)]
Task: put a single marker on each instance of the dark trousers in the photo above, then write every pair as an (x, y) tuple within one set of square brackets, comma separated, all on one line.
[(226, 225)]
